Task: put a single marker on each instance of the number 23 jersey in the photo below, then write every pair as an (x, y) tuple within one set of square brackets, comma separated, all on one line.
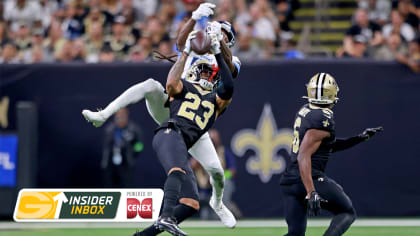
[(310, 117), (194, 111)]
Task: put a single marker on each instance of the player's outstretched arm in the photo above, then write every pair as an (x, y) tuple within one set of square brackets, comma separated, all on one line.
[(224, 89), (204, 10), (343, 144)]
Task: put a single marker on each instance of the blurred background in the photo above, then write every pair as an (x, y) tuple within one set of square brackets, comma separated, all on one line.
[(58, 57)]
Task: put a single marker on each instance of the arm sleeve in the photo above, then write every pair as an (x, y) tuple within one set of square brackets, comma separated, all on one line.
[(225, 88), (237, 64), (321, 120), (343, 144)]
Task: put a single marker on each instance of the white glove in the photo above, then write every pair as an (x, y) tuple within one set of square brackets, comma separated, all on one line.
[(215, 44), (205, 9), (191, 35), (215, 27)]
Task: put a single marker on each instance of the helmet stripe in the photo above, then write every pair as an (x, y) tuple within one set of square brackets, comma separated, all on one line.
[(319, 86)]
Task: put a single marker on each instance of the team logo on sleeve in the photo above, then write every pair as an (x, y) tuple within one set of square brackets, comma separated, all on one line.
[(266, 142)]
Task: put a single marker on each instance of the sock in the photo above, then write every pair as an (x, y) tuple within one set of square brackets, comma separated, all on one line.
[(339, 224), (217, 182), (171, 190), (181, 212), (132, 95)]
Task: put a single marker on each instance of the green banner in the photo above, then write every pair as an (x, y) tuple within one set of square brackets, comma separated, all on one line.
[(90, 205)]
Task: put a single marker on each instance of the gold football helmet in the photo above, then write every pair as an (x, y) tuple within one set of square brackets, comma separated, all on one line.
[(322, 89)]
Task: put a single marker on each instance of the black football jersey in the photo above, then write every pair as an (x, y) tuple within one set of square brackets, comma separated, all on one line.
[(194, 111), (311, 117)]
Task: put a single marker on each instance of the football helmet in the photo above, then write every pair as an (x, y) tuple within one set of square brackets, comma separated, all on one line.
[(203, 67), (230, 31), (322, 89)]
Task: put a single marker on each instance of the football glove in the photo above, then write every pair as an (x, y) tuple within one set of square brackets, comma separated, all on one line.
[(191, 35), (215, 28), (314, 203), (215, 44), (369, 132), (205, 9)]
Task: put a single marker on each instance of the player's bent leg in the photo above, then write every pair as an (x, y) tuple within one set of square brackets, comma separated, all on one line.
[(295, 209), (338, 203), (149, 88)]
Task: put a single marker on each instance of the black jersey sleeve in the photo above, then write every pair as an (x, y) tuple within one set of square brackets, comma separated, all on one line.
[(321, 119)]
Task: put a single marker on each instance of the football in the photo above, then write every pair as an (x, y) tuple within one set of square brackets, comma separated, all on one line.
[(201, 44)]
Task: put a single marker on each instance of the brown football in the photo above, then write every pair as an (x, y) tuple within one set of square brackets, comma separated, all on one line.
[(201, 44)]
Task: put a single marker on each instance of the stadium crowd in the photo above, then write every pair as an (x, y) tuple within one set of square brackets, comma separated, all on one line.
[(385, 30), (125, 30), (131, 30)]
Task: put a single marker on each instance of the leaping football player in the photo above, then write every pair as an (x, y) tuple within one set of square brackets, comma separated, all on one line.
[(154, 94), (305, 186), (194, 105)]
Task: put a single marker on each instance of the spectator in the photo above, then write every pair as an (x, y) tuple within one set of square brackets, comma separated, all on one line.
[(363, 26), (391, 49), (358, 49), (3, 33), (107, 55), (23, 38), (54, 41), (22, 12), (47, 8), (65, 52), (37, 52), (78, 50), (378, 10), (263, 30), (413, 58), (242, 19), (123, 143), (284, 15), (407, 12), (398, 26), (111, 6), (9, 54), (73, 26), (95, 16), (120, 41), (94, 42), (37, 55), (156, 31), (245, 50), (147, 8)]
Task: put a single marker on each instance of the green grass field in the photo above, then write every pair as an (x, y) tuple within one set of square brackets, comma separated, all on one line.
[(269, 231)]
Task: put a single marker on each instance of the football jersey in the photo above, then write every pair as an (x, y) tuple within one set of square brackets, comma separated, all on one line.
[(193, 111), (311, 117)]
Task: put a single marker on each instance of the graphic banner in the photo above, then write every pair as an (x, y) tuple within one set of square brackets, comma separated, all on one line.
[(88, 205)]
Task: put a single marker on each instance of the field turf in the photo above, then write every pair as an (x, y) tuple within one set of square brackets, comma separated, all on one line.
[(269, 231)]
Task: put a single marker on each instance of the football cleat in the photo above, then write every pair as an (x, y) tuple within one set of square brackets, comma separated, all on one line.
[(96, 118), (169, 225), (223, 212)]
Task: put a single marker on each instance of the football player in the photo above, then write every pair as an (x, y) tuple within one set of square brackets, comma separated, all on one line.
[(304, 184), (194, 105), (154, 94)]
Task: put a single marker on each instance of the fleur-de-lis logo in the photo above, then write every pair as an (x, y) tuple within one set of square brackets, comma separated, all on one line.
[(266, 141)]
